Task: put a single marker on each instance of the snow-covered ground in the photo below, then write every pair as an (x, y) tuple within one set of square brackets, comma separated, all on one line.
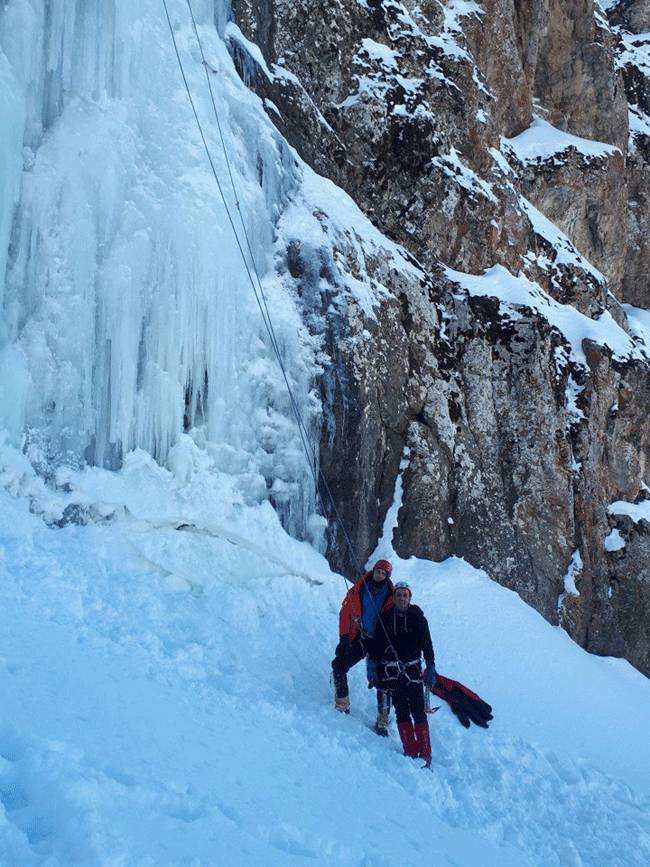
[(166, 701)]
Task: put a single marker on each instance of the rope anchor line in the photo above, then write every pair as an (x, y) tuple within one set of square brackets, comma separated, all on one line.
[(253, 275)]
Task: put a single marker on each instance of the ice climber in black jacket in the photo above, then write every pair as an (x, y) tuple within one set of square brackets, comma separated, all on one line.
[(394, 663)]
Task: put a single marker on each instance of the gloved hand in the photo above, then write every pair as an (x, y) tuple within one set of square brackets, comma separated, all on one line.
[(371, 671), (362, 631), (429, 676), (469, 709)]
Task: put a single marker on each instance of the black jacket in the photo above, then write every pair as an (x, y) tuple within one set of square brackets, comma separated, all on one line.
[(406, 635)]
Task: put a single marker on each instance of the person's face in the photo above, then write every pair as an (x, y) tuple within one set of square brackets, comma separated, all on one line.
[(379, 575), (402, 598)]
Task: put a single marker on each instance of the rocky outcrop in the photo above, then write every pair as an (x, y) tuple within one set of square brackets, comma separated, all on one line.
[(510, 432)]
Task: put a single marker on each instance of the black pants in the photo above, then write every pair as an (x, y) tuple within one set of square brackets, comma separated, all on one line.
[(346, 655), (408, 700)]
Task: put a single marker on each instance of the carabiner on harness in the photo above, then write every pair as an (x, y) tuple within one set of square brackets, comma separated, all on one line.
[(394, 668)]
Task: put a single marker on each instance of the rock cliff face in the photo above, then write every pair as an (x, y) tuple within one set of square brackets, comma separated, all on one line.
[(505, 145)]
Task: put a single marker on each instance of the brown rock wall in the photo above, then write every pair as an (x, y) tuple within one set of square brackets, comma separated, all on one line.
[(509, 450)]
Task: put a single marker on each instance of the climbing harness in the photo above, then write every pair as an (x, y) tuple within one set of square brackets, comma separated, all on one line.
[(398, 668)]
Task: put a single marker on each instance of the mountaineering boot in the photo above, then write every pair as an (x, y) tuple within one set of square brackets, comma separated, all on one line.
[(381, 726), (342, 704), (423, 741), (407, 737), (341, 695), (383, 712)]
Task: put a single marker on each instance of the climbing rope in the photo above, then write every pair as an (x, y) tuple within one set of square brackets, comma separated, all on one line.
[(260, 297), (253, 275)]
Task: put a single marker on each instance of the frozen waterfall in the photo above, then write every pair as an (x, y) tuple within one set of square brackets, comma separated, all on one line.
[(129, 319)]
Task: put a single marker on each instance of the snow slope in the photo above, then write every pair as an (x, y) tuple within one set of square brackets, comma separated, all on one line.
[(164, 676)]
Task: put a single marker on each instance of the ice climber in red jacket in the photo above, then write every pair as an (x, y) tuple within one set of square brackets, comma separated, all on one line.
[(358, 622)]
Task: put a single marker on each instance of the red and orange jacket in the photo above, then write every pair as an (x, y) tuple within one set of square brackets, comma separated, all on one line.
[(351, 610)]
